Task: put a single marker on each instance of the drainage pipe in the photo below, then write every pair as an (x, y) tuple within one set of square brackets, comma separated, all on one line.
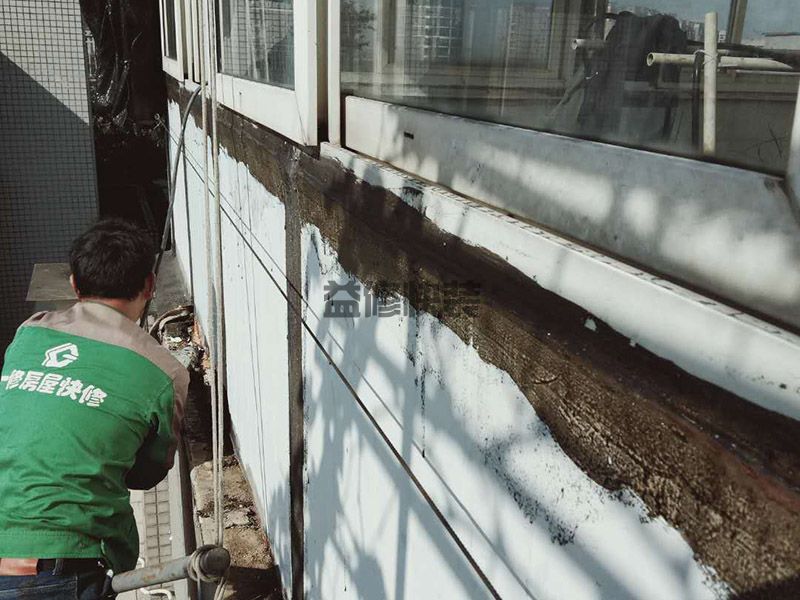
[(588, 44)]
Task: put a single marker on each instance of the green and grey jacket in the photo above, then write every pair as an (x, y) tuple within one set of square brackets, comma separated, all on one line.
[(90, 405)]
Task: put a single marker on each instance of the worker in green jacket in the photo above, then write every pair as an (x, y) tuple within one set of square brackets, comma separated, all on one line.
[(90, 406)]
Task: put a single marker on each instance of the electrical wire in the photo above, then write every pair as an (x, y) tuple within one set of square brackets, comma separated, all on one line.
[(219, 316), (171, 206), (215, 294)]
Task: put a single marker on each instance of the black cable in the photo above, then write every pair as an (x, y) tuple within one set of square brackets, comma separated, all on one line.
[(173, 181), (699, 61)]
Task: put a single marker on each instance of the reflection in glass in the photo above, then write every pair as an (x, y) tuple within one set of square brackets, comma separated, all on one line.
[(171, 45), (517, 62), (257, 40)]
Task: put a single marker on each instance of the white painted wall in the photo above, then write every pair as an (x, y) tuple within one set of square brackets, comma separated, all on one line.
[(256, 323), (537, 525)]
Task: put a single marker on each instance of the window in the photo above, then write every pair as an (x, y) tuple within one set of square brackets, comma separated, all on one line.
[(579, 67), (258, 40), (172, 48), (193, 11), (170, 32), (468, 94), (268, 63)]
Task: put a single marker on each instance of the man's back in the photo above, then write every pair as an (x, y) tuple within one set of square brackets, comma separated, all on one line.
[(89, 405)]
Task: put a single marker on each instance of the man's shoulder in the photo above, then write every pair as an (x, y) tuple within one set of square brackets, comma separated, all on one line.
[(104, 325)]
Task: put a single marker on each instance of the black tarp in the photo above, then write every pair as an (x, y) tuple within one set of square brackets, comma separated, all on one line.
[(127, 88), (128, 99)]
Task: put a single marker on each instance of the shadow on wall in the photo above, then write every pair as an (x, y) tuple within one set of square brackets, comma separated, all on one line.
[(707, 236), (418, 401), (650, 560), (417, 396), (47, 183), (416, 391)]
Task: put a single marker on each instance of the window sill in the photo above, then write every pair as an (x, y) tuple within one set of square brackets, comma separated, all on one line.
[(676, 324)]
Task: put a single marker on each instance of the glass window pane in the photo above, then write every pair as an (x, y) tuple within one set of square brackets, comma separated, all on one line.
[(171, 37), (517, 62), (772, 24), (257, 40)]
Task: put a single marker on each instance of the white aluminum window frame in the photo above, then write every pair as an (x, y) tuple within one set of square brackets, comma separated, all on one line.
[(291, 113), (431, 145), (193, 13), (176, 67)]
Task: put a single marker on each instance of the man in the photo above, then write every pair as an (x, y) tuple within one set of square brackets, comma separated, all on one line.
[(90, 406)]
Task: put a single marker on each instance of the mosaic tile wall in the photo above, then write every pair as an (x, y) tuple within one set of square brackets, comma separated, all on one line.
[(48, 189)]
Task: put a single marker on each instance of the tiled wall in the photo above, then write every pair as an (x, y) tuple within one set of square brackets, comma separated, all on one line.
[(48, 191)]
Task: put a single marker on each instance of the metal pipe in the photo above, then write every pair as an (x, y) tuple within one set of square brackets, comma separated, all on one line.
[(723, 62), (218, 285), (212, 561), (710, 85), (753, 64), (588, 44)]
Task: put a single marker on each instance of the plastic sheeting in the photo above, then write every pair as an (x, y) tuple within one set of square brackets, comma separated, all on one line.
[(124, 63)]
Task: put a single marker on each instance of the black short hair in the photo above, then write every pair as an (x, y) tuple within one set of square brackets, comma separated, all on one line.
[(112, 260)]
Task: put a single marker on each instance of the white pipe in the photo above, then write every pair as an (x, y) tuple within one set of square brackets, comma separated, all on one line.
[(736, 21), (588, 44), (753, 64), (710, 85), (214, 370), (219, 317), (724, 62)]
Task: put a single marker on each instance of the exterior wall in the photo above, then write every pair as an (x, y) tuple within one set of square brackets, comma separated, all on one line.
[(527, 450), (256, 321), (47, 167), (535, 522)]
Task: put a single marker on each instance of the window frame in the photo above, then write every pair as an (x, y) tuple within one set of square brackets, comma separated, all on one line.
[(291, 113), (176, 67), (435, 156), (193, 13), (560, 62)]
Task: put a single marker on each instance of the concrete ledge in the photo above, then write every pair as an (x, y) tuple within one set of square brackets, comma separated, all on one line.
[(740, 353)]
